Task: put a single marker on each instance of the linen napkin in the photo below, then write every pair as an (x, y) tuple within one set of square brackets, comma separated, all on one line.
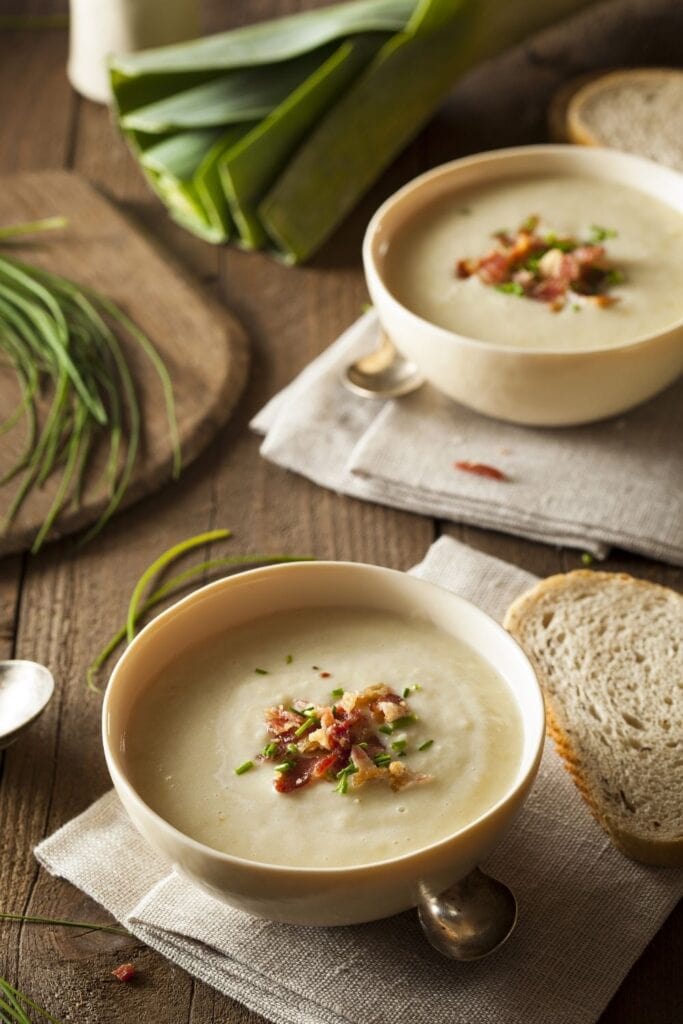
[(618, 482), (586, 912)]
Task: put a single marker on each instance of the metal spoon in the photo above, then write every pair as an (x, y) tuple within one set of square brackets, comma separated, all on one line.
[(471, 919), (25, 691), (383, 373)]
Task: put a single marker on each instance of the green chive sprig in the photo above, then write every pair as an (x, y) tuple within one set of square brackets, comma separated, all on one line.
[(65, 340), (138, 605), (15, 1006), (87, 926)]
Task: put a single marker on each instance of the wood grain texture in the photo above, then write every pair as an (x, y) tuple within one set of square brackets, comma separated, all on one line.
[(202, 346), (60, 608)]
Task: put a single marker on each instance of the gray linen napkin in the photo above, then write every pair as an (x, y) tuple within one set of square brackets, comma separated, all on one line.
[(618, 482), (586, 912)]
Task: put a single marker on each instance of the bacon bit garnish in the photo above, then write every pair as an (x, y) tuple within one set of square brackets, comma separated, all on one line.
[(282, 723), (341, 741), (481, 469), (546, 267), (125, 972), (494, 268), (325, 675)]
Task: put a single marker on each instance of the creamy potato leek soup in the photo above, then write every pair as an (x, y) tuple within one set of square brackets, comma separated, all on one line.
[(554, 262), (325, 738)]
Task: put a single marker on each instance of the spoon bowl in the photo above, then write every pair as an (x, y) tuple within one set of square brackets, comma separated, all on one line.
[(383, 373), (471, 919), (25, 691)]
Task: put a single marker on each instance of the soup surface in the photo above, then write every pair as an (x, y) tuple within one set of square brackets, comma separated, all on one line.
[(203, 717), (642, 238)]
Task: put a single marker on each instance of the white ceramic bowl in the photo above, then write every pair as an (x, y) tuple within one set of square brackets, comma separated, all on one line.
[(531, 386), (322, 896)]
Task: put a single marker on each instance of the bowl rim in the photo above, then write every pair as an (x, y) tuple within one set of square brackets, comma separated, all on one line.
[(523, 777), (591, 155)]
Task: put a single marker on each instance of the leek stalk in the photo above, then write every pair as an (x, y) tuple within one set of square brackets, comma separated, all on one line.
[(319, 103)]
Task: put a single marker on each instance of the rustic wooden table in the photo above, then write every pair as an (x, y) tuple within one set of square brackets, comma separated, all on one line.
[(60, 607)]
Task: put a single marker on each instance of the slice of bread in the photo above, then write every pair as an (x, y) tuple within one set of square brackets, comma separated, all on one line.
[(639, 111), (558, 130), (608, 652)]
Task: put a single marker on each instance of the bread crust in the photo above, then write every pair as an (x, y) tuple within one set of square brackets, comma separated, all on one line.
[(577, 130), (664, 852)]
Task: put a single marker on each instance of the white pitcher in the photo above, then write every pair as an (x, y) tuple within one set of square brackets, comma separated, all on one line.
[(101, 28)]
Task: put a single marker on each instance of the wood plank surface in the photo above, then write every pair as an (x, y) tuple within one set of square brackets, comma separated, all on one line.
[(59, 608)]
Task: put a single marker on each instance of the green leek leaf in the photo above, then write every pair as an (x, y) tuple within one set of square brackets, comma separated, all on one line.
[(247, 94), (251, 166), (267, 42)]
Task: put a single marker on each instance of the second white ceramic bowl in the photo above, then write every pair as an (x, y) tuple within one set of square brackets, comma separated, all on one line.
[(319, 896), (529, 386)]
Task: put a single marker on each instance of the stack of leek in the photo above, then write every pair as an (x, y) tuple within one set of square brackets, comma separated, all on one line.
[(268, 135)]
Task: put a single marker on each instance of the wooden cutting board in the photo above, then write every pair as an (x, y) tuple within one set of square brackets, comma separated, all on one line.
[(203, 347)]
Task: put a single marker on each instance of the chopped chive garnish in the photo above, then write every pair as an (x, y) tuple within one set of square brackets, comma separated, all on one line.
[(600, 234), (426, 745), (381, 760), (270, 749), (261, 671), (404, 720), (587, 558), (613, 277), (399, 745), (244, 767), (284, 767), (510, 288), (295, 711), (343, 777), (292, 748), (289, 659), (316, 668), (343, 785), (411, 689), (386, 729), (339, 692), (305, 726), (576, 308)]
